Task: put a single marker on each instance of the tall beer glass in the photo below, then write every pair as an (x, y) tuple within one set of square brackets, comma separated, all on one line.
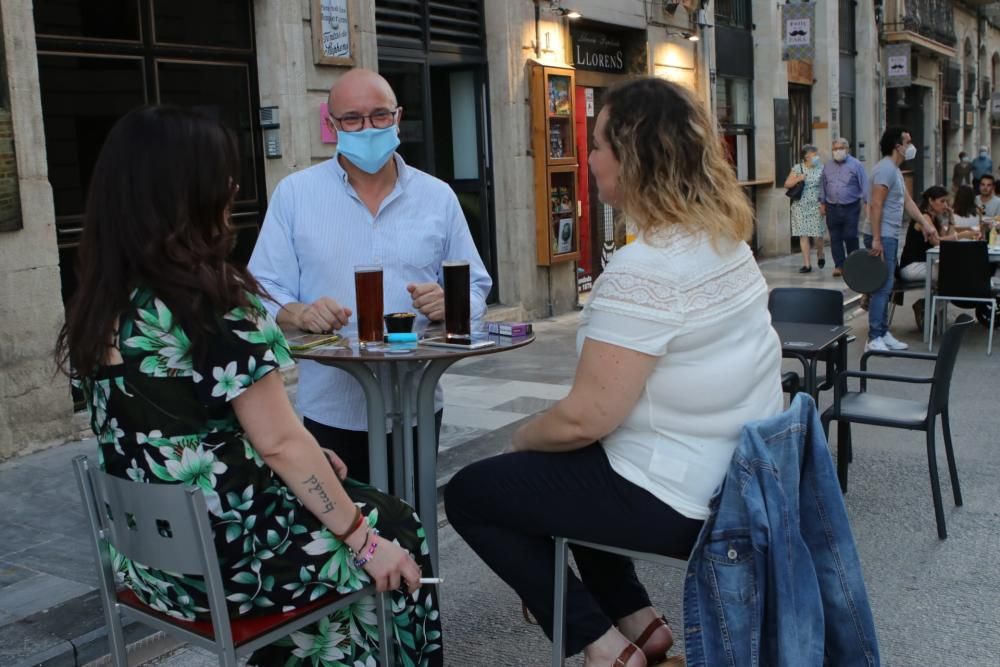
[(457, 311), (369, 299)]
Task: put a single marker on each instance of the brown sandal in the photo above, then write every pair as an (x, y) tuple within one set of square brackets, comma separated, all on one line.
[(626, 655), (653, 626)]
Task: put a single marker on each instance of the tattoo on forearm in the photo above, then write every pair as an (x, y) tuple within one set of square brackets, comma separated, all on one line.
[(316, 487)]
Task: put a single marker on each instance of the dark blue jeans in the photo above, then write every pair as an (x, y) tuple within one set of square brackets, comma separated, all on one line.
[(507, 508), (842, 221), (878, 309)]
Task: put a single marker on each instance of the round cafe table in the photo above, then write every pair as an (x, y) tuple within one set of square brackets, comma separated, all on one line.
[(399, 381)]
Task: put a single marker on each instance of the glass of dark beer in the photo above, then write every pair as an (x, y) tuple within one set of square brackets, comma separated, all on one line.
[(368, 297), (457, 310)]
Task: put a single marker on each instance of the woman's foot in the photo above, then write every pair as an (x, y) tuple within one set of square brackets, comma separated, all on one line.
[(821, 261), (612, 649), (806, 269), (649, 631)]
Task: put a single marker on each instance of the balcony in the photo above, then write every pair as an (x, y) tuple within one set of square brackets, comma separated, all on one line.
[(928, 25)]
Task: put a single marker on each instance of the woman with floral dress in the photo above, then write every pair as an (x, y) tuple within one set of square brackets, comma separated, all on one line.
[(175, 355), (807, 218)]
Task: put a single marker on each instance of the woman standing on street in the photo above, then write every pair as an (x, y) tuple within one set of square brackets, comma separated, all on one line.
[(807, 221)]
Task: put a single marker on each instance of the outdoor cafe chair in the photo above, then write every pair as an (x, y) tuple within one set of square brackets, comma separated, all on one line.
[(964, 280), (561, 573), (807, 305), (166, 526), (864, 407)]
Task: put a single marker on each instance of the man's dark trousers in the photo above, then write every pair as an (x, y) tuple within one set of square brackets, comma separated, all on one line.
[(842, 221)]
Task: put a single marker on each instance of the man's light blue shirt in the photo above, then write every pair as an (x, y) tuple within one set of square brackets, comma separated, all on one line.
[(843, 182), (317, 230)]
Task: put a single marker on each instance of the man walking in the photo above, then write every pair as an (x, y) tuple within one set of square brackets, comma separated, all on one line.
[(962, 173), (843, 187), (363, 206), (888, 200), (982, 165)]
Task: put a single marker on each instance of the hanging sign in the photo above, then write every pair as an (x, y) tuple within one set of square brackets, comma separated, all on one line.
[(797, 40), (897, 65)]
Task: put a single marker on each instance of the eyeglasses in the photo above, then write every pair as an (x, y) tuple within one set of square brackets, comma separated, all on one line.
[(380, 119)]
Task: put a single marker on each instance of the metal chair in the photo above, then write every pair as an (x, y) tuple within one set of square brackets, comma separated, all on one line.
[(964, 280), (899, 289), (863, 407), (810, 306), (166, 526), (562, 565)]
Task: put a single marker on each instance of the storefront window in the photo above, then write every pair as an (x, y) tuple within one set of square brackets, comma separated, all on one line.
[(734, 101)]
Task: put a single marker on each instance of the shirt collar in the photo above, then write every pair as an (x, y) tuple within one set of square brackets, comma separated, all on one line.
[(403, 170)]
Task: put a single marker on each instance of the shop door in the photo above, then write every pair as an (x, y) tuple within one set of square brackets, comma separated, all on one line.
[(444, 132), (601, 226), (800, 117), (98, 59)]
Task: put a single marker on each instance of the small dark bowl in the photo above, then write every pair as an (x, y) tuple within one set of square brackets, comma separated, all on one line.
[(399, 322)]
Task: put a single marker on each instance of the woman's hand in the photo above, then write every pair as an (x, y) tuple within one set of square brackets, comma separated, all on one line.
[(390, 566)]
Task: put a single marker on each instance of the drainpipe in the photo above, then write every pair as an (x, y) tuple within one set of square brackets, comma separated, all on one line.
[(538, 31)]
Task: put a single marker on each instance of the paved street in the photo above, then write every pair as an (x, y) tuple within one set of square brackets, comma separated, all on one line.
[(935, 602)]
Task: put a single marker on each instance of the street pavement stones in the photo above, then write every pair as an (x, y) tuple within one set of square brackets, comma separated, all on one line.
[(935, 602)]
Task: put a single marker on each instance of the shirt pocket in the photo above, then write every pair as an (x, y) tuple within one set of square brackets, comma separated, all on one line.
[(421, 250)]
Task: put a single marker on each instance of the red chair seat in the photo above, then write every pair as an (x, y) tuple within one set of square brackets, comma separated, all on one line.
[(244, 629)]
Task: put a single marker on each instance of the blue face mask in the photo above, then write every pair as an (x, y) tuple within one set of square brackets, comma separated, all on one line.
[(368, 149)]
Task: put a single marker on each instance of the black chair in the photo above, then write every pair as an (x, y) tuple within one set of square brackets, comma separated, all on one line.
[(809, 306), (964, 280), (863, 407)]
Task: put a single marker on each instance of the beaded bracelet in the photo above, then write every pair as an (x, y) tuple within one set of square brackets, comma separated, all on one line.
[(372, 545)]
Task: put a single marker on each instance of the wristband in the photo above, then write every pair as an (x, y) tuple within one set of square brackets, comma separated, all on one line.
[(356, 522), (372, 546)]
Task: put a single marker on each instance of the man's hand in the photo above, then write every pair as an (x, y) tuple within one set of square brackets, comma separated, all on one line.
[(428, 298), (822, 209), (322, 316), (876, 248)]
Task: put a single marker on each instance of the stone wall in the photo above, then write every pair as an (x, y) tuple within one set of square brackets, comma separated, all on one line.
[(35, 405)]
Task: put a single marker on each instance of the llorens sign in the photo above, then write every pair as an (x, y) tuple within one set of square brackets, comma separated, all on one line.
[(599, 52)]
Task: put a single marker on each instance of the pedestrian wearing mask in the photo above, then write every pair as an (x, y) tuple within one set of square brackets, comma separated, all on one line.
[(888, 200), (962, 173), (843, 186), (807, 219), (982, 165)]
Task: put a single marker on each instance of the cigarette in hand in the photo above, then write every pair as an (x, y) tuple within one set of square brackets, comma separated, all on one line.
[(431, 580)]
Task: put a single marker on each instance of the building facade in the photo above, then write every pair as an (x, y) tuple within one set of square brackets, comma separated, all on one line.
[(499, 99)]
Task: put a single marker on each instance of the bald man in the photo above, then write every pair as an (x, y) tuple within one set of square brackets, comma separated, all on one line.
[(363, 206)]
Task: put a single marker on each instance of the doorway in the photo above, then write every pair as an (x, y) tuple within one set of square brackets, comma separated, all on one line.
[(444, 131), (800, 118)]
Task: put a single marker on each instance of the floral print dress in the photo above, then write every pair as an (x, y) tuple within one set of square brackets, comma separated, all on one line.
[(806, 218), (164, 417)]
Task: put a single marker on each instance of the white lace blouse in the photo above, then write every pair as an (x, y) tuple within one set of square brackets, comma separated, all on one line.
[(704, 313)]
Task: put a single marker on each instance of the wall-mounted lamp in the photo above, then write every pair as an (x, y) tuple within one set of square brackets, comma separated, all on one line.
[(556, 8), (689, 36)]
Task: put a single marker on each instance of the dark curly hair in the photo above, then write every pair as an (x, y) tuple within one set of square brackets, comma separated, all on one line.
[(157, 216)]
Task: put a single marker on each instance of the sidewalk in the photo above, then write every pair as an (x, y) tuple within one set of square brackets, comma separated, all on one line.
[(934, 602)]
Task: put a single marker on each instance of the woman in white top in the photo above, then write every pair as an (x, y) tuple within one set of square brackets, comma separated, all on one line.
[(676, 354)]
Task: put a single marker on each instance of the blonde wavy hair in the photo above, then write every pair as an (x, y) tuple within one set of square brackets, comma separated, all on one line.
[(673, 167)]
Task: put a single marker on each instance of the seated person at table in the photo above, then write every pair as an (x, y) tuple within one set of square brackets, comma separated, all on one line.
[(363, 206), (176, 357), (935, 225), (676, 354), (965, 216)]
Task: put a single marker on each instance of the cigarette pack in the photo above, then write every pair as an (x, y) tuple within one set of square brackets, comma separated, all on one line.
[(510, 329)]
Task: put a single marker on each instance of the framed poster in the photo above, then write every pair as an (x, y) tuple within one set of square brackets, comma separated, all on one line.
[(333, 32)]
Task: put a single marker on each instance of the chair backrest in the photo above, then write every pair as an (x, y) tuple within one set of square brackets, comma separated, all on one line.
[(807, 305), (945, 365), (964, 271), (154, 524)]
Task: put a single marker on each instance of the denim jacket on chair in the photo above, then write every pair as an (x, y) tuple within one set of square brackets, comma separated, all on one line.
[(774, 578)]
